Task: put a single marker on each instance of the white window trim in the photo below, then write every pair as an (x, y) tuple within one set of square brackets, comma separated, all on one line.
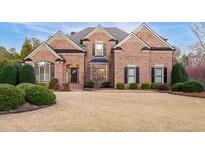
[(132, 76), (102, 48), (162, 67), (44, 76)]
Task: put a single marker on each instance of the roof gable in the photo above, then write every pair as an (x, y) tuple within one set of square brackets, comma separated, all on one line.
[(134, 36), (67, 38), (39, 47), (143, 26), (96, 29)]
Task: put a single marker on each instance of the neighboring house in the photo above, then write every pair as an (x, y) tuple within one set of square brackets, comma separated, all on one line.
[(104, 54)]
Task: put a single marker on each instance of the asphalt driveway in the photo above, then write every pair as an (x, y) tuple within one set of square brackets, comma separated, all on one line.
[(112, 111)]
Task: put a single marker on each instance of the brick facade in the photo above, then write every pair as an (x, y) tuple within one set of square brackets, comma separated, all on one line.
[(131, 53)]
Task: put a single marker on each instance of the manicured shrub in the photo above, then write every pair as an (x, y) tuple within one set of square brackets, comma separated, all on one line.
[(192, 86), (65, 87), (177, 86), (133, 86), (106, 85), (8, 75), (120, 85), (164, 87), (145, 86), (41, 84), (154, 86), (89, 84), (27, 74), (39, 95), (179, 74), (54, 84), (10, 97)]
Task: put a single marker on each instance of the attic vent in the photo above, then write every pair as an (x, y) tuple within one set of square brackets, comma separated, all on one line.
[(72, 33)]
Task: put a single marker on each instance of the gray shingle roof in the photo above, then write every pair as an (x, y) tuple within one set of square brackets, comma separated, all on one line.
[(114, 31)]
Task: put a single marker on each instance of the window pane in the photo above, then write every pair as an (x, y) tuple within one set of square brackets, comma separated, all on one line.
[(158, 71), (46, 78), (52, 73), (158, 79), (41, 73), (131, 72), (37, 72), (99, 49), (131, 79)]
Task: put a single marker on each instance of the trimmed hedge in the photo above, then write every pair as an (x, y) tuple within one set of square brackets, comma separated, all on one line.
[(8, 75), (41, 84), (89, 84), (177, 86), (145, 86), (192, 86), (120, 85), (164, 87), (25, 86), (65, 87), (54, 84), (27, 74), (154, 86), (11, 97), (179, 74), (39, 95), (133, 86)]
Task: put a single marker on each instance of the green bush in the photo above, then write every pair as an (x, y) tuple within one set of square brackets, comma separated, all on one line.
[(106, 85), (8, 75), (177, 86), (10, 97), (41, 84), (27, 74), (133, 86), (179, 74), (54, 84), (164, 87), (192, 86), (39, 95), (65, 87), (89, 84), (145, 86), (120, 85), (154, 86)]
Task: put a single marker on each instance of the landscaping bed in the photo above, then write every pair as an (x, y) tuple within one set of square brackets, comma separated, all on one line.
[(200, 95), (24, 108)]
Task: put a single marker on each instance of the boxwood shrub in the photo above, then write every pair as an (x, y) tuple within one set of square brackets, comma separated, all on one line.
[(164, 87), (192, 86), (65, 87), (54, 84), (154, 86), (10, 97), (177, 86), (145, 86), (120, 85), (27, 74), (39, 95), (8, 75), (133, 86)]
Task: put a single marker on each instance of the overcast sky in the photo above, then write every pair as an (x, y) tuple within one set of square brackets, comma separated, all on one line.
[(12, 34)]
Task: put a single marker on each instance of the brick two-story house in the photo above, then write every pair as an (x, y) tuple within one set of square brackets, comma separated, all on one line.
[(103, 54)]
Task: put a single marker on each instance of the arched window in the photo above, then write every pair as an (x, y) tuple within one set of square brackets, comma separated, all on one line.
[(44, 71)]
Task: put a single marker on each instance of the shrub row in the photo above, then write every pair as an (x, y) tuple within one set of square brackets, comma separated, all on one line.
[(188, 86), (12, 97), (15, 74)]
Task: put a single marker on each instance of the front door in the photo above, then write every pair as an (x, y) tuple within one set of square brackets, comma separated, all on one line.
[(74, 75), (99, 73)]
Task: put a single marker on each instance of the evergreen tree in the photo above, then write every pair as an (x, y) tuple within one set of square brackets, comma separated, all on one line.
[(26, 48)]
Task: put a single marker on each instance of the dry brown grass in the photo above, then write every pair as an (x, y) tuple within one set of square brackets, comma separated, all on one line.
[(112, 111)]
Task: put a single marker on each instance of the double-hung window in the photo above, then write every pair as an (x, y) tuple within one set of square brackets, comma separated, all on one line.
[(158, 75), (99, 48), (131, 75)]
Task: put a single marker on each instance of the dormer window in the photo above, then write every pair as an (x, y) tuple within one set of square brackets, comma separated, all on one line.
[(99, 48)]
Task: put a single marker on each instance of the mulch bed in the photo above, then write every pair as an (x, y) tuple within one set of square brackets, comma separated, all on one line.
[(24, 108), (200, 95)]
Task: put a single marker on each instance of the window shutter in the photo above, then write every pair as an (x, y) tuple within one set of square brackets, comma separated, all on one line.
[(93, 49), (137, 74), (125, 75), (152, 76), (165, 74), (104, 49)]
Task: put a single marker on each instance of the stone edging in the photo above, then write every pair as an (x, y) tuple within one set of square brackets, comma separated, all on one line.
[(24, 110), (184, 94)]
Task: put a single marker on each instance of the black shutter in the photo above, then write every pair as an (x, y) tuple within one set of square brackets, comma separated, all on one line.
[(137, 74), (165, 74), (104, 49), (93, 47), (152, 76), (125, 75)]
